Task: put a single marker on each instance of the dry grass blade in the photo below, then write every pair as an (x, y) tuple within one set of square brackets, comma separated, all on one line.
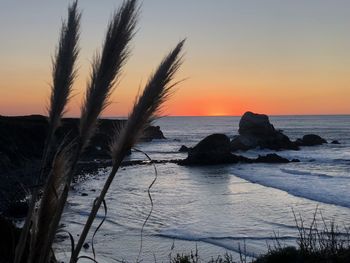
[(63, 76), (155, 93), (107, 67)]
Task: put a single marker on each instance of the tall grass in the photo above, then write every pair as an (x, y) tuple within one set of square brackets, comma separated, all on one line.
[(63, 76), (147, 105), (320, 241), (45, 211)]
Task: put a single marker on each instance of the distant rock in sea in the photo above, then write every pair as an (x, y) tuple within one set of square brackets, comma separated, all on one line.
[(213, 149), (310, 140), (151, 133), (271, 158), (216, 149), (255, 130), (184, 148)]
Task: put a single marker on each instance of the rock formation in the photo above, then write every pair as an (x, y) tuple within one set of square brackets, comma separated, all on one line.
[(216, 149), (255, 130), (310, 140), (213, 149)]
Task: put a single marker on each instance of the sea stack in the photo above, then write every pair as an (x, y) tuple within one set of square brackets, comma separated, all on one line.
[(255, 130)]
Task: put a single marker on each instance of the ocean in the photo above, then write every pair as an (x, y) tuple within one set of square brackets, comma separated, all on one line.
[(216, 209)]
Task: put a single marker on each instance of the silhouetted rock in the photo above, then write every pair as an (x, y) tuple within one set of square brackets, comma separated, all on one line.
[(184, 148), (255, 130), (311, 140), (271, 158), (255, 124), (214, 149), (335, 142), (241, 143), (152, 132)]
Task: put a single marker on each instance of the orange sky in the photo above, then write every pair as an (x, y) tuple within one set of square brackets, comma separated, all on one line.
[(274, 58)]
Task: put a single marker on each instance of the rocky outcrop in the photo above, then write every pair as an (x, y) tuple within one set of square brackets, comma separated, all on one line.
[(271, 158), (184, 148), (152, 132), (214, 149), (255, 130), (255, 125), (22, 138), (335, 142), (310, 140)]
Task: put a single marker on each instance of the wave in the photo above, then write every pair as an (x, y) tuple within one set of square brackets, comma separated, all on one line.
[(321, 188), (298, 172), (232, 243), (342, 161)]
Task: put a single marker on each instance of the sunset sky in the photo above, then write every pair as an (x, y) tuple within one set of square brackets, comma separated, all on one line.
[(267, 56)]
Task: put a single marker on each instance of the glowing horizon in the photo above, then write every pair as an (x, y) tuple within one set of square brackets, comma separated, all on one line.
[(275, 58)]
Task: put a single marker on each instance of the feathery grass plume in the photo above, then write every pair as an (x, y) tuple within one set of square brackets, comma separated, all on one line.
[(107, 67), (63, 76), (146, 107), (105, 70)]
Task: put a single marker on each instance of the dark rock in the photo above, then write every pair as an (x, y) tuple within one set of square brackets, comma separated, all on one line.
[(311, 140), (86, 245), (335, 142), (241, 143), (271, 158), (295, 161), (184, 148), (84, 194), (214, 149), (255, 124), (152, 132), (255, 130)]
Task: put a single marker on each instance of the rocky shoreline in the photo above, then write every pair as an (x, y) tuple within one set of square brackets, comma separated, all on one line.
[(22, 140), (21, 144)]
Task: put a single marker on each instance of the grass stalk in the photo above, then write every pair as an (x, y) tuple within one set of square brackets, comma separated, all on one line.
[(63, 77), (106, 69), (146, 107)]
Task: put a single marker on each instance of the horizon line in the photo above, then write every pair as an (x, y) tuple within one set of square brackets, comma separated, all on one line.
[(165, 116)]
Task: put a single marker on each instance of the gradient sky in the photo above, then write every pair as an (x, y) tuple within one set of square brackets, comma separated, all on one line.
[(267, 56)]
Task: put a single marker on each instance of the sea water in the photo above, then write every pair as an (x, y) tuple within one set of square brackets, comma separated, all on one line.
[(215, 209)]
